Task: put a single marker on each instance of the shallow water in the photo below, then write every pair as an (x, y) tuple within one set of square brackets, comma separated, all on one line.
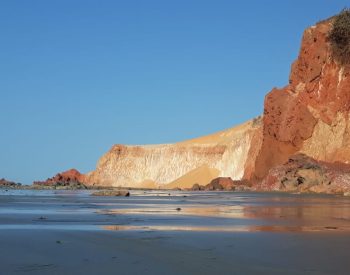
[(156, 232), (174, 211)]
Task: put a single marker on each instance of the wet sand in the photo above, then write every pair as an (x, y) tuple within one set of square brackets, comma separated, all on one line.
[(70, 232)]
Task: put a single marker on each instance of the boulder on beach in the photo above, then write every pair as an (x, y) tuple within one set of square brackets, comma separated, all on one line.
[(197, 187), (302, 173), (221, 183)]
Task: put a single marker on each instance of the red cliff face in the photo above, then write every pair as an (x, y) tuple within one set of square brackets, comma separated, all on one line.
[(310, 115)]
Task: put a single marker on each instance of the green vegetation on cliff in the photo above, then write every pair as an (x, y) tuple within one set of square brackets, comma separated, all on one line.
[(340, 37)]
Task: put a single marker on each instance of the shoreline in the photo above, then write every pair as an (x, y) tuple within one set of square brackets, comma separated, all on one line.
[(109, 188), (70, 232)]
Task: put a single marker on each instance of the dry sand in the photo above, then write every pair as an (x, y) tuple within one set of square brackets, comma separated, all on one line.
[(201, 175), (223, 137)]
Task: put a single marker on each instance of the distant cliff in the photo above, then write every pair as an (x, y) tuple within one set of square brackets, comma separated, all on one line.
[(200, 160)]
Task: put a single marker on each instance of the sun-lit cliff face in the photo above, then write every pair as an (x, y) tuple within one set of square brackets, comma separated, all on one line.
[(178, 165), (311, 114)]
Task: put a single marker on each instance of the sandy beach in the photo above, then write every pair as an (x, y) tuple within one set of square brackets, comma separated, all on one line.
[(71, 232)]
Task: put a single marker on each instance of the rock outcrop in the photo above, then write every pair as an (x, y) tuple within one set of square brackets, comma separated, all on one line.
[(223, 184), (71, 179), (9, 184), (304, 174)]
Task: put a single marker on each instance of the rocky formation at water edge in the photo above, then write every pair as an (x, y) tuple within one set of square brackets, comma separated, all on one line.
[(9, 184), (71, 179)]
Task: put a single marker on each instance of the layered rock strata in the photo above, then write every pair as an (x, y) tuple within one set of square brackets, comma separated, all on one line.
[(182, 164)]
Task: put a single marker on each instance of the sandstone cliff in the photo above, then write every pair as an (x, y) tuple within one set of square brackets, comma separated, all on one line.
[(311, 114), (226, 153)]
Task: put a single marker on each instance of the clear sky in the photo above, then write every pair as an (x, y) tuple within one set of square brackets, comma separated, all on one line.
[(77, 77)]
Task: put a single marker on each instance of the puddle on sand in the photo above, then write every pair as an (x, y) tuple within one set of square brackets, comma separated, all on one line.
[(239, 218), (254, 228), (211, 211), (304, 213)]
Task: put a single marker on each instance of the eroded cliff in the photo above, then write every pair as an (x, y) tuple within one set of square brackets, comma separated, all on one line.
[(311, 114), (181, 164)]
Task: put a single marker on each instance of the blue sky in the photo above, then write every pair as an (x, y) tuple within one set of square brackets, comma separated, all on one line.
[(77, 77)]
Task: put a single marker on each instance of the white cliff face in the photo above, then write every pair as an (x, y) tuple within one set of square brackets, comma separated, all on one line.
[(221, 154)]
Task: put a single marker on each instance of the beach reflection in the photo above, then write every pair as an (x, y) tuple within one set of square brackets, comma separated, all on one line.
[(288, 214), (250, 228), (190, 211), (303, 212), (208, 211)]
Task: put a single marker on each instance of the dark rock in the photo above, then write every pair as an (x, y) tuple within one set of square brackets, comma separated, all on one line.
[(224, 184), (197, 187), (219, 184)]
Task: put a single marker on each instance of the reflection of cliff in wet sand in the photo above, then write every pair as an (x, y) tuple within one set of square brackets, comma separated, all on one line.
[(278, 214), (252, 228)]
